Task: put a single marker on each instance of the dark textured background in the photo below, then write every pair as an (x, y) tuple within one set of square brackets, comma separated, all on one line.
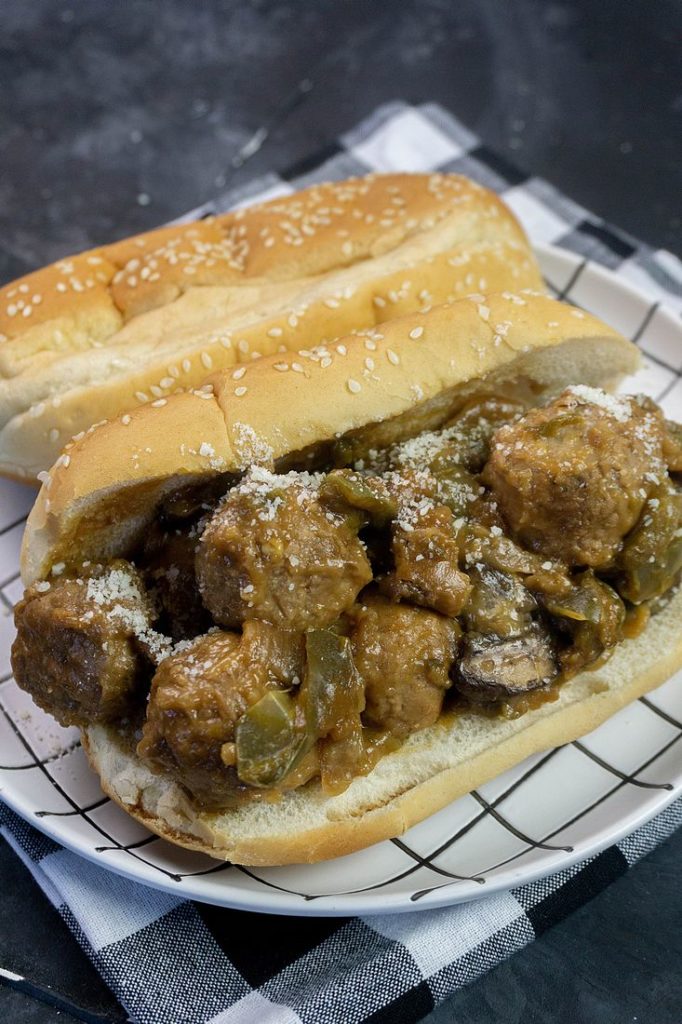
[(117, 116)]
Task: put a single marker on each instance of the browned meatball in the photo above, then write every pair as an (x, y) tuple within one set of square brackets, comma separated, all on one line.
[(170, 569), (426, 570), (272, 552), (571, 478), (199, 694), (74, 650), (404, 656)]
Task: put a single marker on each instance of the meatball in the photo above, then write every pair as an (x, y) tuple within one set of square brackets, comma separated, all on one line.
[(426, 570), (404, 692), (571, 478), (272, 552), (199, 694), (75, 651), (170, 570)]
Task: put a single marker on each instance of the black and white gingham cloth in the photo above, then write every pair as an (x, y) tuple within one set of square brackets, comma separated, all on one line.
[(171, 961)]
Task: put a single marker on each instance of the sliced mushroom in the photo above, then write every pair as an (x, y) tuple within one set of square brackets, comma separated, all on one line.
[(492, 669)]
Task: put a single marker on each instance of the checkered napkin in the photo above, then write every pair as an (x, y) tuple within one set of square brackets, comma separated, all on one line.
[(171, 961)]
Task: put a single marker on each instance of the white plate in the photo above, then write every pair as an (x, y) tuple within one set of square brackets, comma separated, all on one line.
[(547, 813)]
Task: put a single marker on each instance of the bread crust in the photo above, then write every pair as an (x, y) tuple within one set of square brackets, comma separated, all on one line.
[(102, 332), (438, 765), (101, 493)]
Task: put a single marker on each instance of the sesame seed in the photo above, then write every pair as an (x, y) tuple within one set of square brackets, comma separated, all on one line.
[(27, 310), (243, 345), (370, 345), (275, 332), (378, 301), (156, 391), (369, 363), (282, 367), (160, 402), (166, 382), (23, 288), (61, 287), (416, 333), (238, 374), (292, 320), (331, 303), (206, 360), (392, 356), (54, 435), (125, 420), (141, 397), (241, 390), (325, 362), (353, 386), (297, 368), (186, 365), (341, 349)]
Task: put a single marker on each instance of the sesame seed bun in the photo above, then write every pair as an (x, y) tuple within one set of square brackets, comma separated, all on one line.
[(396, 380), (106, 331)]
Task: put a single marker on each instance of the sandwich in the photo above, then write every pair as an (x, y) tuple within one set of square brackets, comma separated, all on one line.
[(301, 607), (108, 330)]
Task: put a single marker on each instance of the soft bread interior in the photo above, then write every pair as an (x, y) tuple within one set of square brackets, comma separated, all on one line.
[(432, 768)]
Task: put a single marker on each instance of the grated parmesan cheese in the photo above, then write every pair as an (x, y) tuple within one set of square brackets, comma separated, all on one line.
[(619, 408)]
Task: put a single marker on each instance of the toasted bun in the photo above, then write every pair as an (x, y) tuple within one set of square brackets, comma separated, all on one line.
[(105, 331), (434, 767), (403, 378)]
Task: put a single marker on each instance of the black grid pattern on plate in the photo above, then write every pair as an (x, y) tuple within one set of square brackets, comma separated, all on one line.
[(414, 861)]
